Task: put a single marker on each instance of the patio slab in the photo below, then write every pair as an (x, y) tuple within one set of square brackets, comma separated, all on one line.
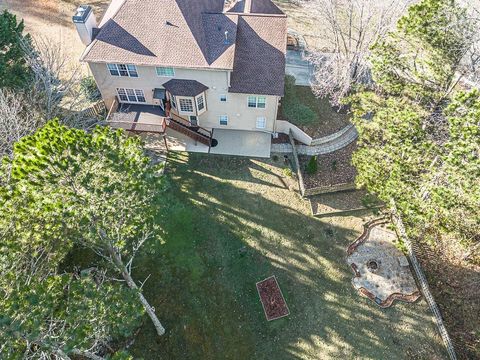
[(242, 143), (382, 272)]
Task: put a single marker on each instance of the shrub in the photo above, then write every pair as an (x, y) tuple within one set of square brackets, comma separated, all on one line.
[(312, 166), (90, 89), (287, 172), (334, 165)]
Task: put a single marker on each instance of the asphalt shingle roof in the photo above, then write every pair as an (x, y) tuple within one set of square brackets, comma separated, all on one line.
[(179, 87), (259, 64), (191, 34)]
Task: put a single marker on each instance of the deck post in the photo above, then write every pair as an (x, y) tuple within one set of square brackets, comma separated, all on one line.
[(165, 140)]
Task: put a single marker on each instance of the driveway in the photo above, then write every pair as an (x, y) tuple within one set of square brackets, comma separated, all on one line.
[(299, 67)]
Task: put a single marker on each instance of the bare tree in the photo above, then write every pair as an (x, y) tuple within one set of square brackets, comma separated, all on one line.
[(16, 120), (54, 92), (350, 29), (56, 84)]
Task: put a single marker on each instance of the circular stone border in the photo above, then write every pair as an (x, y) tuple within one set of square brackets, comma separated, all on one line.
[(364, 292)]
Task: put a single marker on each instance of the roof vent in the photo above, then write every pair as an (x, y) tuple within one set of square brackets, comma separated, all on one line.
[(226, 42)]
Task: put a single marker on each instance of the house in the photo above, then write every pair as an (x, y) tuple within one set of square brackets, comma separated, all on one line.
[(207, 73)]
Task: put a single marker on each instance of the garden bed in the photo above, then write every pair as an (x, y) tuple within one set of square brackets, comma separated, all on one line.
[(333, 169), (272, 299), (314, 116)]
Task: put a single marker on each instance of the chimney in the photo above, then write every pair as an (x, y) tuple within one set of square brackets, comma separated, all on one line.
[(85, 22)]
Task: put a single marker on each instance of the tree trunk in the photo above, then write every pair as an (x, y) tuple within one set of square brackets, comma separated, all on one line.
[(132, 285)]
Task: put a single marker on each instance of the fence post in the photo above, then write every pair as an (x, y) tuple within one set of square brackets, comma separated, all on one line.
[(423, 283)]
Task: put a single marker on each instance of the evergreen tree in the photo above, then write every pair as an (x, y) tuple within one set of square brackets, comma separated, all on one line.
[(419, 134), (63, 190), (14, 71)]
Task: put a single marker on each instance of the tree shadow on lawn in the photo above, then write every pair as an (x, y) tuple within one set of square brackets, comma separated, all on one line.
[(222, 236)]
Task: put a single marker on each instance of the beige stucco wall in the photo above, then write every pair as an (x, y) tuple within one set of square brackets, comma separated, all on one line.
[(240, 116)]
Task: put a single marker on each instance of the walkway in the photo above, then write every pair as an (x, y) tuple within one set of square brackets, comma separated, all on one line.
[(335, 144), (300, 68)]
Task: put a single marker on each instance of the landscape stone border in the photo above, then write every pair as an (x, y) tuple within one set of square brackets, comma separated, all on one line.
[(367, 227), (281, 294)]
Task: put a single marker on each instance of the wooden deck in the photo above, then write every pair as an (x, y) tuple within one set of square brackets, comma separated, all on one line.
[(138, 118)]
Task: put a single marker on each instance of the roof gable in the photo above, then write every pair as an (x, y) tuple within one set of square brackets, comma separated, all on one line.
[(197, 34)]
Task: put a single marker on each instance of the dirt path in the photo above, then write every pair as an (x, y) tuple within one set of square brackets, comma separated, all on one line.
[(52, 20)]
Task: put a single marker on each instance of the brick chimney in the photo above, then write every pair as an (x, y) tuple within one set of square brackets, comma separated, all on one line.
[(85, 22)]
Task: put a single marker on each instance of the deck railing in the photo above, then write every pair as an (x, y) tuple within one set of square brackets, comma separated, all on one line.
[(184, 129), (158, 128)]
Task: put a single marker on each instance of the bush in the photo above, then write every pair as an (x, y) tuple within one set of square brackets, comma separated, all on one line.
[(300, 114), (287, 172), (90, 89), (312, 166)]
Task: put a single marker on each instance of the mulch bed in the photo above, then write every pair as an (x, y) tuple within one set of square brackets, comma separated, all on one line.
[(284, 139), (333, 169), (272, 299)]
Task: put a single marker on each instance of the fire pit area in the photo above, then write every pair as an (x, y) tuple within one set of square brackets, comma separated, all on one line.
[(272, 299), (382, 272)]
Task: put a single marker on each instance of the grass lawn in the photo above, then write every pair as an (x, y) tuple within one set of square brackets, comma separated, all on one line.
[(318, 119), (231, 222)]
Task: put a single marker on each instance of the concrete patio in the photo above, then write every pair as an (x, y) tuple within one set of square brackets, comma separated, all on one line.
[(242, 143)]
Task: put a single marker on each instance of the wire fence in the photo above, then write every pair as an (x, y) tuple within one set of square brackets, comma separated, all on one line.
[(424, 285)]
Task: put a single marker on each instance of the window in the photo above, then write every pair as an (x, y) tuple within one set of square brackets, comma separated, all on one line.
[(172, 101), (257, 102), (165, 71), (113, 69), (252, 101), (186, 105), (140, 95), (223, 98), (200, 103), (223, 119), (122, 94), (261, 102), (131, 95), (193, 120), (122, 70), (261, 123), (132, 70)]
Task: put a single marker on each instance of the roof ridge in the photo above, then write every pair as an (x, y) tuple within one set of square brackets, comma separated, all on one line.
[(115, 13)]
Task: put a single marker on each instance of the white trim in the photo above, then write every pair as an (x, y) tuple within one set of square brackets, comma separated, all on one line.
[(165, 67), (117, 69), (204, 102), (256, 101), (224, 117), (179, 102), (137, 93), (261, 118)]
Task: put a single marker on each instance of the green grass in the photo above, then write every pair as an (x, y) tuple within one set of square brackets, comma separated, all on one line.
[(314, 115), (231, 222)]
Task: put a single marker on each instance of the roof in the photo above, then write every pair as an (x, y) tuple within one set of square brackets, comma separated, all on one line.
[(179, 87), (254, 71), (194, 34), (256, 7)]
